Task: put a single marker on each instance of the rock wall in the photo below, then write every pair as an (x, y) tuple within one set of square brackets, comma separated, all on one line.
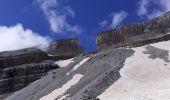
[(128, 34), (65, 47), (17, 77)]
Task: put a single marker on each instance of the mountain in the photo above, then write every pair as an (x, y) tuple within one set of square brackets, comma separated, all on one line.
[(134, 34), (131, 63), (140, 73)]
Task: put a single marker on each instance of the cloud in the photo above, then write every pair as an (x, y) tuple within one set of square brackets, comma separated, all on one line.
[(57, 15), (142, 10), (145, 5), (118, 18), (114, 20), (16, 37), (103, 23)]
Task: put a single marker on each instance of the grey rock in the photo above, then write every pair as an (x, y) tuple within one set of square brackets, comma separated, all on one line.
[(157, 53)]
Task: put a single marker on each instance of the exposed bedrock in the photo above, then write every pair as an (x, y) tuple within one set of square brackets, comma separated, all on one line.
[(17, 77)]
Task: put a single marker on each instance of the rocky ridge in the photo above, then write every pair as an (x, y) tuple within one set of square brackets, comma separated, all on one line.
[(134, 33)]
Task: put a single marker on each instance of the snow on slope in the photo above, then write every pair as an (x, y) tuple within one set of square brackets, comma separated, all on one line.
[(79, 64), (145, 76), (58, 92), (99, 72), (64, 63)]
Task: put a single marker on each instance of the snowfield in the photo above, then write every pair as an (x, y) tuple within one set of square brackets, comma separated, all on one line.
[(143, 77)]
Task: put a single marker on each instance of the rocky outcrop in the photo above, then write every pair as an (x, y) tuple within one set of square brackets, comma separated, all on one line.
[(132, 33), (23, 56), (17, 77), (66, 48), (20, 68)]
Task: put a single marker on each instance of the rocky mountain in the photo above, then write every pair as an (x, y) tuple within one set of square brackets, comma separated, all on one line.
[(140, 73), (19, 68), (134, 33), (132, 63)]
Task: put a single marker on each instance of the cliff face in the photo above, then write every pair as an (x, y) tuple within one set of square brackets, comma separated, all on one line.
[(65, 47), (128, 34), (20, 68)]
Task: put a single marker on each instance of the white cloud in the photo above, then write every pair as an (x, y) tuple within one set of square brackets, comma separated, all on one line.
[(57, 15), (115, 20), (103, 23), (118, 18), (142, 10), (16, 37), (163, 6)]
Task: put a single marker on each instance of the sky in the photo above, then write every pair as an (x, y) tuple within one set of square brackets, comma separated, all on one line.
[(27, 23)]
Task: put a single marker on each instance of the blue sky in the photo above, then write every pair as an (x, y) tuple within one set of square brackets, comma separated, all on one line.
[(25, 23)]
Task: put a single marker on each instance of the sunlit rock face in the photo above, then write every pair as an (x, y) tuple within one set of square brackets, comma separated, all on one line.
[(132, 33)]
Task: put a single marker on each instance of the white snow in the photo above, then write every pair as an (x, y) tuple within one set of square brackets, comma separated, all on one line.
[(64, 97), (64, 63), (60, 91), (142, 78), (79, 64), (50, 55)]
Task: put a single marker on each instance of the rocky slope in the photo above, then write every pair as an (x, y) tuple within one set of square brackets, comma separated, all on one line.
[(134, 33), (140, 73), (19, 68)]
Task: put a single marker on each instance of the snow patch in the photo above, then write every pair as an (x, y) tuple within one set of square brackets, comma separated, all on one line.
[(64, 63), (50, 55), (60, 91), (79, 64), (64, 97), (142, 78)]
